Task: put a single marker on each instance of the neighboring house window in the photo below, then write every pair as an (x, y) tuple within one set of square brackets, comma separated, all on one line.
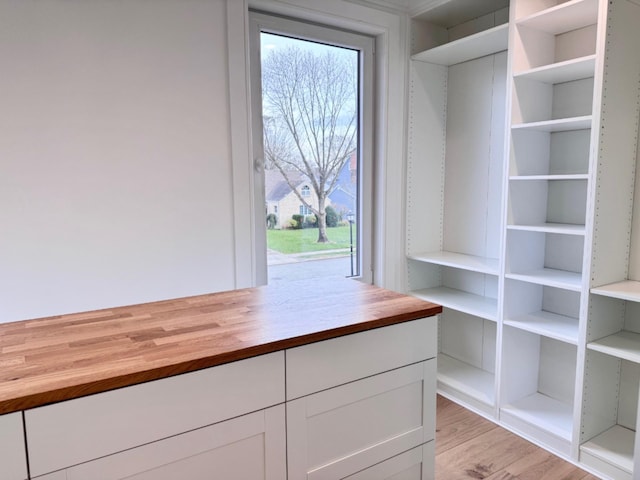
[(275, 209), (304, 210), (306, 191)]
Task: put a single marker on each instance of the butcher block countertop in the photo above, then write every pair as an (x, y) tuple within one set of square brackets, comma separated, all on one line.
[(59, 358)]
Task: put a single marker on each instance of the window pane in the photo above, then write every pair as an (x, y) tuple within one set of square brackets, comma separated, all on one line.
[(310, 120)]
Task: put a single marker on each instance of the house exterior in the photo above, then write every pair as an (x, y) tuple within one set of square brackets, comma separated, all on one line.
[(283, 202)]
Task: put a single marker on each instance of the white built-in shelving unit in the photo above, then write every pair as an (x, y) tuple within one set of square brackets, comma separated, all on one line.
[(458, 71), (521, 220)]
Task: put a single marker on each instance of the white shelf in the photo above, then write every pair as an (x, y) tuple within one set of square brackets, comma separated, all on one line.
[(624, 344), (483, 307), (459, 260), (560, 125), (570, 176), (544, 413), (569, 70), (562, 228), (625, 290), (550, 277), (469, 380), (564, 17), (614, 447), (478, 45), (547, 324)]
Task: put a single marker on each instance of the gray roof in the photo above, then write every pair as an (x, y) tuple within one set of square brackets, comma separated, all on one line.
[(276, 187)]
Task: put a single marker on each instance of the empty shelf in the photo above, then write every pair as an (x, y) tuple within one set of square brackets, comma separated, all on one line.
[(624, 344), (552, 325), (562, 228), (570, 176), (551, 278), (477, 45), (560, 125), (564, 17), (625, 290), (567, 71), (459, 260), (543, 413), (483, 307), (467, 379), (614, 447)]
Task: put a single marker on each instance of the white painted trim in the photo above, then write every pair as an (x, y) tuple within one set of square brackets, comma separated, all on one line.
[(246, 256)]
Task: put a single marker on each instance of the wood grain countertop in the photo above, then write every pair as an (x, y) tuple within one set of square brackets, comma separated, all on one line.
[(59, 358)]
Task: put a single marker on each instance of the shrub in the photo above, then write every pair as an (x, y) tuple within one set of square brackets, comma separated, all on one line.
[(291, 224), (331, 216), (299, 219), (310, 221), (272, 221)]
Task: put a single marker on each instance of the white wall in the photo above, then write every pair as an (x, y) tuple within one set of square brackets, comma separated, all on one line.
[(115, 168), (121, 179)]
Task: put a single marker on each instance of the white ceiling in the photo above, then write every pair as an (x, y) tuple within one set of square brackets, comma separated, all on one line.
[(446, 12)]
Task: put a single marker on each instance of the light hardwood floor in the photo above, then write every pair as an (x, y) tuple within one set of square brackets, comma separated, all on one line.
[(471, 447)]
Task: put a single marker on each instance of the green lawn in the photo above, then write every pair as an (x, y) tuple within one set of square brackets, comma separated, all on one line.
[(305, 240)]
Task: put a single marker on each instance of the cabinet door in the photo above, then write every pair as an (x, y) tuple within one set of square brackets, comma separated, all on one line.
[(250, 447), (337, 432), (13, 464), (416, 464)]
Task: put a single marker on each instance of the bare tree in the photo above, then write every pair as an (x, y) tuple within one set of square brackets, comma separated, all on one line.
[(310, 120)]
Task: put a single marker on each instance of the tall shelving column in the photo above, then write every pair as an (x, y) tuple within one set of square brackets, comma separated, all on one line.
[(574, 122), (456, 145), (609, 414), (554, 61)]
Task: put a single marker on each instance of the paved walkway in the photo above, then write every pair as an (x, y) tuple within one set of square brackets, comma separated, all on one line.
[(277, 258), (316, 268)]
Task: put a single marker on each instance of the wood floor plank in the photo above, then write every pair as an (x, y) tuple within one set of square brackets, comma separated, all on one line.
[(485, 454), (456, 426), (471, 447)]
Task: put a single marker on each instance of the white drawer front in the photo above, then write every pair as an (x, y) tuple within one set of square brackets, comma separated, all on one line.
[(76, 431), (340, 431), (13, 463), (248, 447), (326, 364), (416, 464)]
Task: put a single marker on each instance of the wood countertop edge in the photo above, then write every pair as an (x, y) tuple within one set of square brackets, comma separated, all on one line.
[(84, 388)]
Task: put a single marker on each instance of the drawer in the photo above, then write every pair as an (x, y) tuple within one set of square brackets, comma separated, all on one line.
[(13, 462), (72, 432), (341, 431), (318, 366), (247, 447), (416, 464)]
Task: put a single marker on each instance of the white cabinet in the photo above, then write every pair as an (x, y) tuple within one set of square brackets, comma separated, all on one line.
[(247, 447), (13, 463), (352, 403), (340, 393)]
